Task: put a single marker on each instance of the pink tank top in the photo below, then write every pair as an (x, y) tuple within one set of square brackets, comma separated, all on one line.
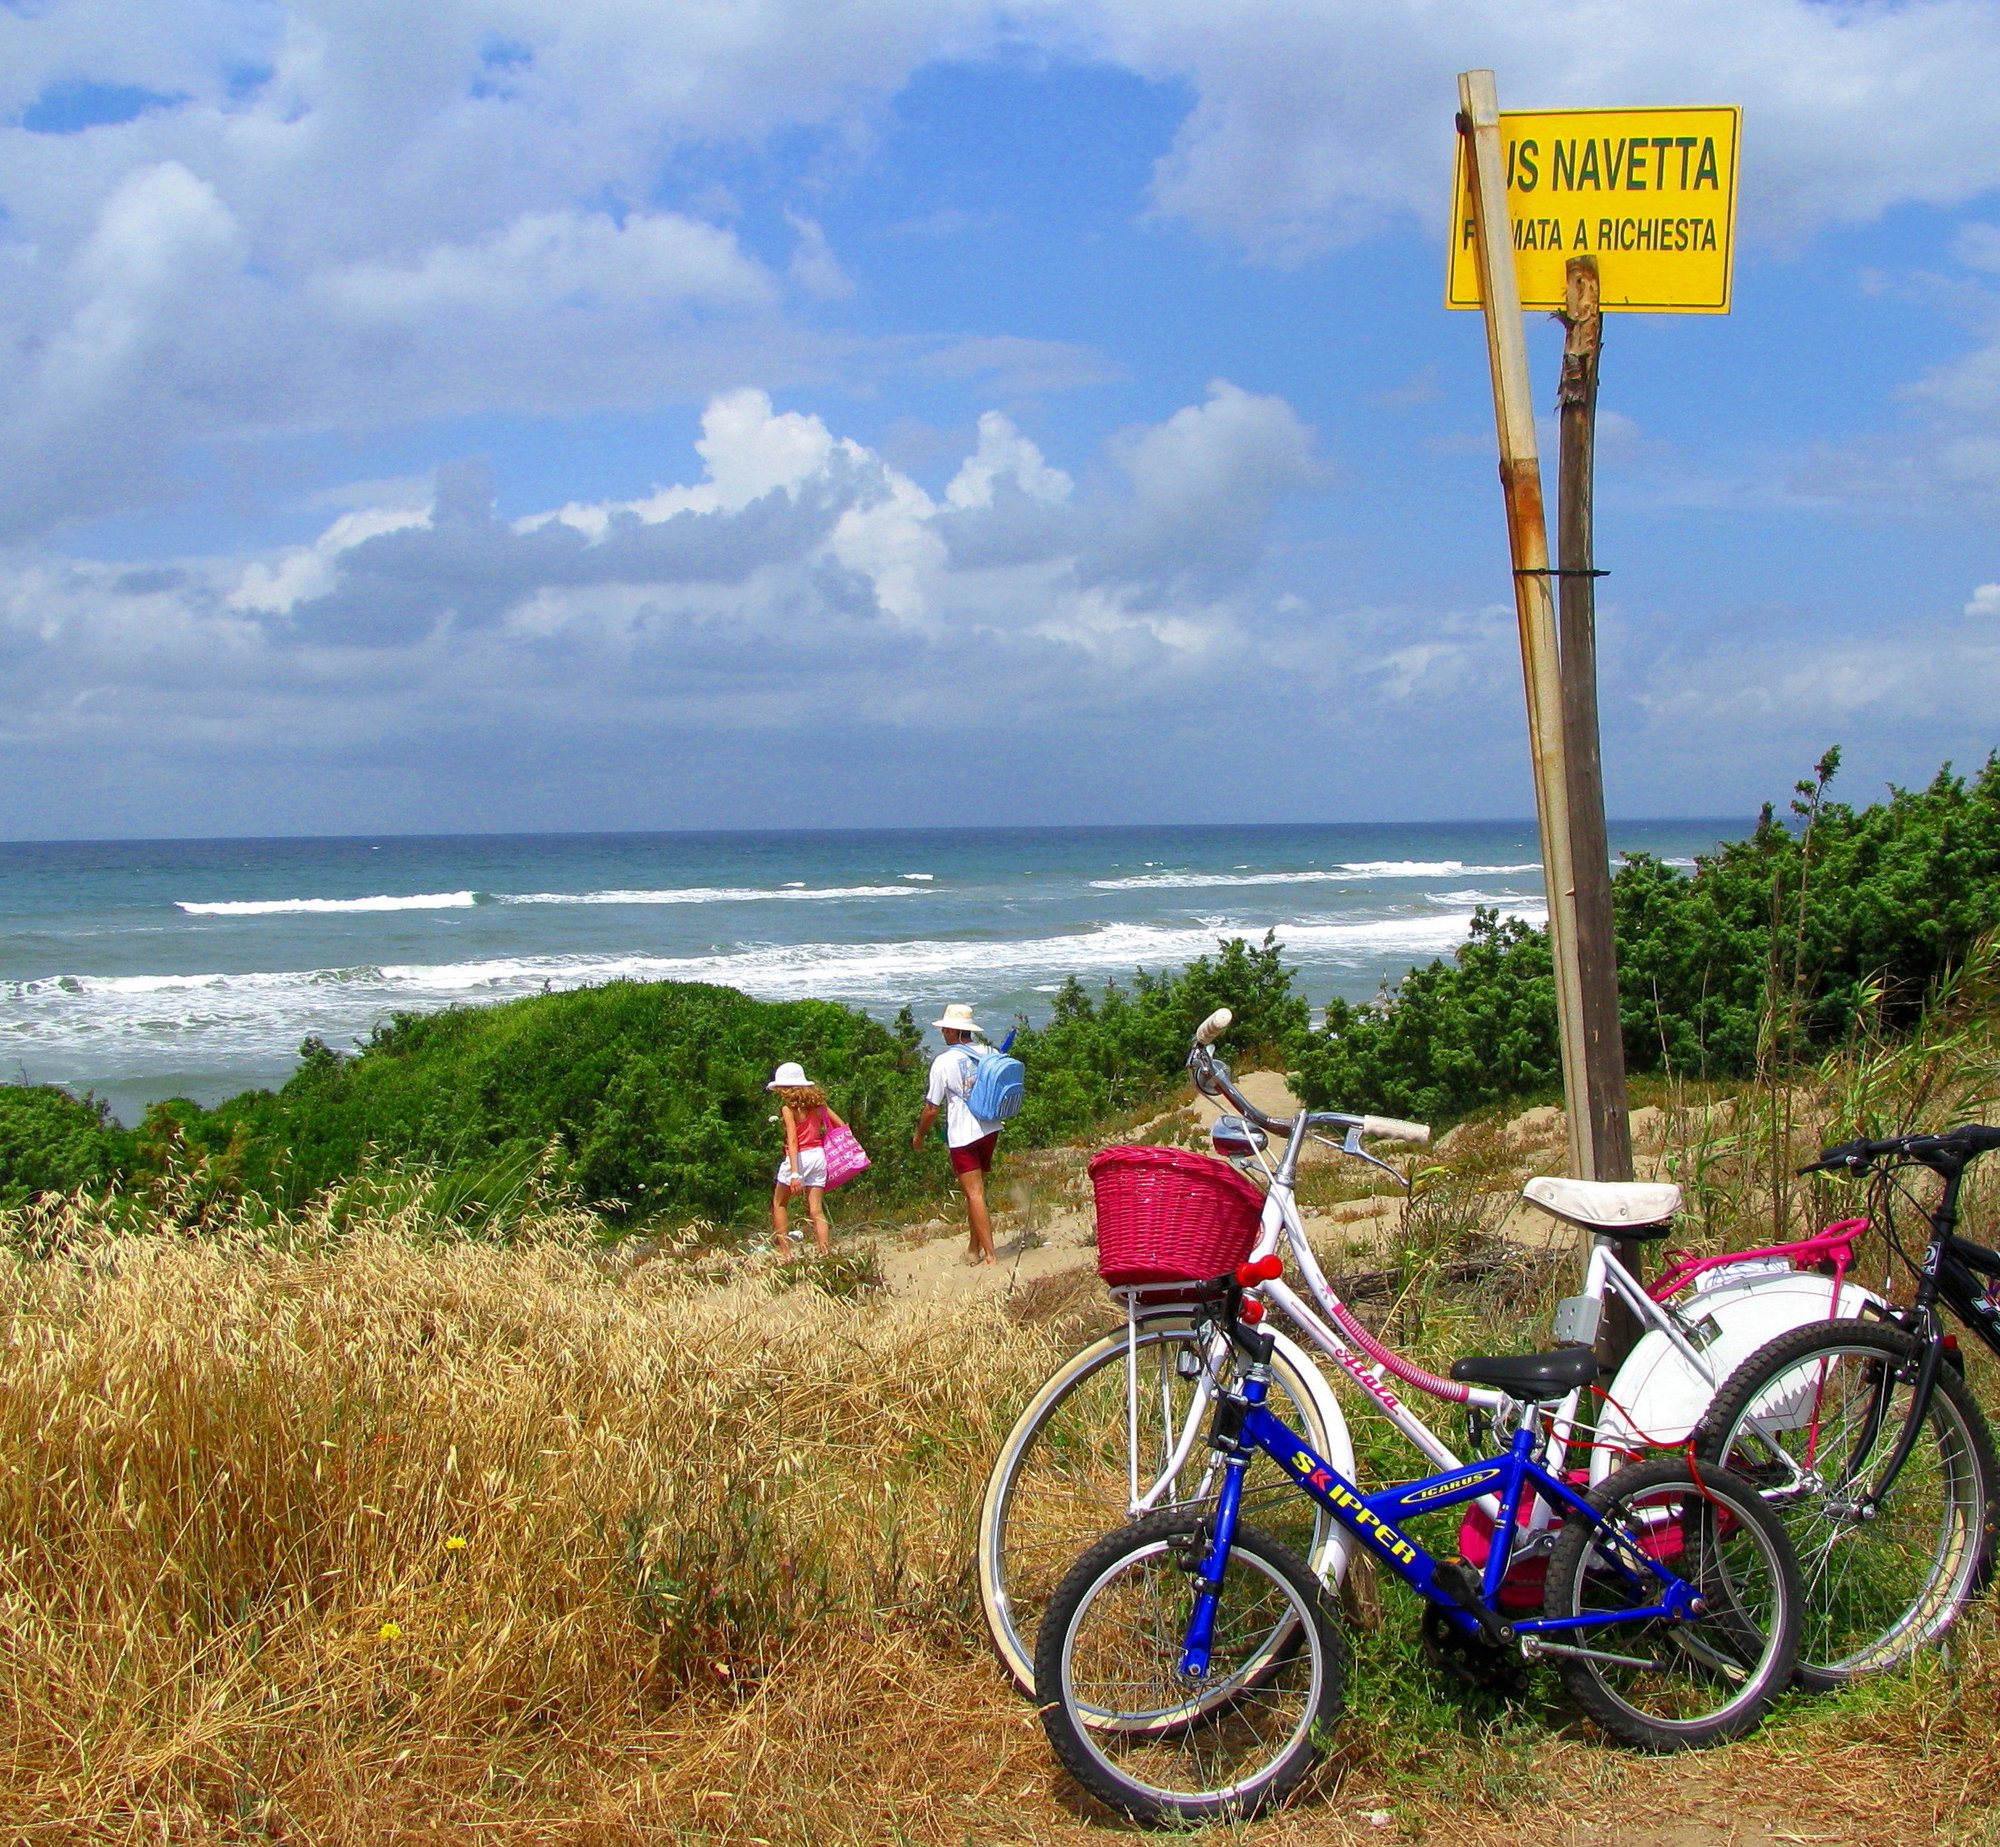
[(811, 1127)]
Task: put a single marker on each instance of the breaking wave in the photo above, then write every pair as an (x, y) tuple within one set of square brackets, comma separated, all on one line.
[(1335, 875), (159, 1019), (464, 900)]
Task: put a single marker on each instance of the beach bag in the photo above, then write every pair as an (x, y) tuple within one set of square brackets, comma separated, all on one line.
[(845, 1157), (997, 1085)]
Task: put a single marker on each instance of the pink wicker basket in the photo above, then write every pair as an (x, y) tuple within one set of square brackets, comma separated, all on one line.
[(1167, 1216)]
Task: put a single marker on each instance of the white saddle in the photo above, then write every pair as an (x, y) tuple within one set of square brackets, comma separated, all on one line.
[(1605, 1205)]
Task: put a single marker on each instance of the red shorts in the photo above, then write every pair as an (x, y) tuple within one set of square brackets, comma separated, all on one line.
[(975, 1157)]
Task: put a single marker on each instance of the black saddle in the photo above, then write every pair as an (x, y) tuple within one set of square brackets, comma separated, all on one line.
[(1532, 1376)]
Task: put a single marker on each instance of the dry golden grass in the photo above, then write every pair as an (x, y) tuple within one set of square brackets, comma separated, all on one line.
[(344, 1532), (352, 1538)]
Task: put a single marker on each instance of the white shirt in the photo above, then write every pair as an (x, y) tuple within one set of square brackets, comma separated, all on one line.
[(952, 1073)]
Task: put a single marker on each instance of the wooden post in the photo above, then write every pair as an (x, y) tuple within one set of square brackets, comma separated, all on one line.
[(1534, 600), (1576, 631)]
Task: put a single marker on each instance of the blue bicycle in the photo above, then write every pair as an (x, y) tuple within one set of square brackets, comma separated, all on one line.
[(1190, 1668)]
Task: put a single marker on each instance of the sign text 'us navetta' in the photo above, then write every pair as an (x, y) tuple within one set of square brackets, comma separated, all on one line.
[(1650, 193)]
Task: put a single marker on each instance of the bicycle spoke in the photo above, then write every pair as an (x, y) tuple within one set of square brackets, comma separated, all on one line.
[(1885, 1565)]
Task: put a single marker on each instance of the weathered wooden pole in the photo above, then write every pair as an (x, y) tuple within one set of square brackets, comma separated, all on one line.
[(1576, 632), (1576, 636), (1534, 600)]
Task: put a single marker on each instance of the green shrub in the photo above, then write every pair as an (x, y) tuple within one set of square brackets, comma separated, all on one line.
[(1098, 1057), (1777, 946), (52, 1142), (1455, 1035), (649, 1097)]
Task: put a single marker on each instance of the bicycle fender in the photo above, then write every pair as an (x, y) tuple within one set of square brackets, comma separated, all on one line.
[(1657, 1398), (1330, 1565)]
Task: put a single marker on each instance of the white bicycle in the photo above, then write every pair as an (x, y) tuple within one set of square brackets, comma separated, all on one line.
[(1113, 1434)]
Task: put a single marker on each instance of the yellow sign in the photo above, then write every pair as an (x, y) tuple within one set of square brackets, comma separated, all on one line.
[(1651, 193)]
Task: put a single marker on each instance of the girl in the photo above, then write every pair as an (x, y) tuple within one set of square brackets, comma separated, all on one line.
[(804, 1112)]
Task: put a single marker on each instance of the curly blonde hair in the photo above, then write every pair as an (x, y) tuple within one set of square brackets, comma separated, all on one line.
[(800, 1098)]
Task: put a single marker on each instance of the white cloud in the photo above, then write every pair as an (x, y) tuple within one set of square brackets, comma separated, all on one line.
[(747, 449), (276, 585), (1985, 601), (800, 578), (1978, 246), (814, 267), (555, 259), (1948, 453), (1927, 675), (1203, 479), (1318, 123), (1004, 451), (339, 216)]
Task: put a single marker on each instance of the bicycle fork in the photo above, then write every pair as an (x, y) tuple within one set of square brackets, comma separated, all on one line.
[(1200, 1642), (1869, 1503)]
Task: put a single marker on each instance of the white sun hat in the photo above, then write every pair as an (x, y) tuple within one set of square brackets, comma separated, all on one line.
[(789, 1077), (958, 1018)]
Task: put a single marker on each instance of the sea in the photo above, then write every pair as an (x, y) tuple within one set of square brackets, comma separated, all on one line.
[(139, 970)]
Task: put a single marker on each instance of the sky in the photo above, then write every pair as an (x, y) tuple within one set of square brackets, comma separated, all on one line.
[(625, 414)]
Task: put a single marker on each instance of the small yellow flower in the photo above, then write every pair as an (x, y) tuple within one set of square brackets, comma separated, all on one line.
[(454, 1544), (388, 1632)]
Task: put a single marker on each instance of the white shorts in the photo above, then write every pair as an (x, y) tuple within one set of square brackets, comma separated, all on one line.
[(812, 1169)]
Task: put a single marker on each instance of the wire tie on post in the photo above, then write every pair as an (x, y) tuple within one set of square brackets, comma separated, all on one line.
[(1548, 570)]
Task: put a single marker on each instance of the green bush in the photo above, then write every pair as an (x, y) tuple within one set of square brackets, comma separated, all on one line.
[(648, 1098), (1099, 1057), (52, 1142), (1455, 1035), (1776, 947)]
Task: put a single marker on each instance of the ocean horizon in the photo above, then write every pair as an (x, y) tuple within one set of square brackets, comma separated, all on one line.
[(143, 969)]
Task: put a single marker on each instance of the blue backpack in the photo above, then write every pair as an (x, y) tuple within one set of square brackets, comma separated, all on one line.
[(997, 1085)]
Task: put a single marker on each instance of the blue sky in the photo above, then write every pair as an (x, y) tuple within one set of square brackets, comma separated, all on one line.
[(512, 416)]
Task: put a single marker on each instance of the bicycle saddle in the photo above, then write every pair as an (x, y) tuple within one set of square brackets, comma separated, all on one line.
[(1532, 1376), (1630, 1208)]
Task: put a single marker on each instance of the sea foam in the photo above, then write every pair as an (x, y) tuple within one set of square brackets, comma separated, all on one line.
[(165, 1017), (709, 894), (1337, 875), (319, 907), (462, 900)]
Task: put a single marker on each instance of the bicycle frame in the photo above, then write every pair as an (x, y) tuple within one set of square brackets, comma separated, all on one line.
[(1321, 1318), (1373, 1518), (1318, 1320)]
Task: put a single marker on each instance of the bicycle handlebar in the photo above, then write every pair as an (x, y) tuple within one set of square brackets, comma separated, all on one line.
[(1952, 1149), (1206, 1073)]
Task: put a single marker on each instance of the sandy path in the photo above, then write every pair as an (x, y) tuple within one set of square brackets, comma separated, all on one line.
[(1043, 1222)]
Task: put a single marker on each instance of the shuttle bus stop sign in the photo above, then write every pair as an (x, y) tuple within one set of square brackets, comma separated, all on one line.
[(1650, 193)]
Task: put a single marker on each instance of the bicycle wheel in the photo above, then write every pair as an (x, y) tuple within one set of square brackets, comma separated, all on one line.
[(1063, 1477), (1676, 1685), (1144, 1738), (1813, 1418)]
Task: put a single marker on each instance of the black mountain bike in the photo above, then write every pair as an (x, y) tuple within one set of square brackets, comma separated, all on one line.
[(1864, 1437)]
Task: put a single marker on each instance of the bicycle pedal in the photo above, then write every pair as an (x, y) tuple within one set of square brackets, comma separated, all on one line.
[(1464, 1587)]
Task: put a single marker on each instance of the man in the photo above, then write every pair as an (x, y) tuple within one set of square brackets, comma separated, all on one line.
[(970, 1140)]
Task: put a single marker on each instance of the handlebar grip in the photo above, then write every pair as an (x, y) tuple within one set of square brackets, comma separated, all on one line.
[(1212, 1028), (1853, 1156), (1396, 1131)]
